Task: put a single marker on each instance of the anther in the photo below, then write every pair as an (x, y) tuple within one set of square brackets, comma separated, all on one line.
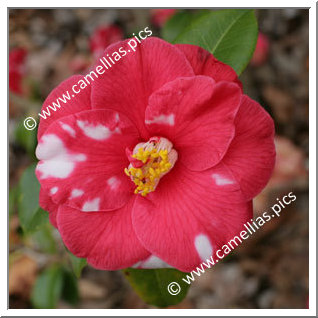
[(149, 162)]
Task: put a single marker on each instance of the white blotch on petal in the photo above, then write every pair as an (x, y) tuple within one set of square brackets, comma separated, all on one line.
[(54, 190), (117, 119), (69, 129), (221, 180), (203, 246), (98, 132), (92, 205), (136, 265), (55, 161), (113, 183), (162, 119), (76, 193), (48, 147), (154, 262)]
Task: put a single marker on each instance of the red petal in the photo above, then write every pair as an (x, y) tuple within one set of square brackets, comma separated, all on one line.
[(190, 215), (48, 205), (197, 116), (82, 157), (251, 155), (204, 63), (127, 85), (78, 103), (106, 239)]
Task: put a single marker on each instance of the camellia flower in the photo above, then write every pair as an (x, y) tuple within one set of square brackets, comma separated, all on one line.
[(160, 16), (102, 37), (155, 163)]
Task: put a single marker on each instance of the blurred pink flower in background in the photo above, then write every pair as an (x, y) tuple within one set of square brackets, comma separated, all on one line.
[(290, 162), (79, 64), (160, 16), (17, 58), (102, 37), (261, 50)]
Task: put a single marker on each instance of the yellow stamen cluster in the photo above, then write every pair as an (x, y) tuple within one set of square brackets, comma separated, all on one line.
[(155, 164)]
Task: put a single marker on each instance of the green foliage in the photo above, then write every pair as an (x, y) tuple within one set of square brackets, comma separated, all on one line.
[(48, 288), (175, 25), (152, 285), (230, 35), (179, 22), (27, 139), (44, 239), (31, 216), (54, 283), (70, 289), (77, 264)]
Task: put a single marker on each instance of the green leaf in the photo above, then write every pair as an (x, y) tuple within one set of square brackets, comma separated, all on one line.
[(230, 35), (31, 216), (174, 26), (77, 264), (152, 285), (70, 288), (178, 23), (26, 138), (44, 239), (47, 289)]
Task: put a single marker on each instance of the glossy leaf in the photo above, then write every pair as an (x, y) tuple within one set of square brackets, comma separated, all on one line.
[(179, 22), (152, 285), (230, 35), (175, 25)]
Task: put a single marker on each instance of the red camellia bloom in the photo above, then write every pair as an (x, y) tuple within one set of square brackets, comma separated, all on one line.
[(17, 58), (102, 37), (157, 162)]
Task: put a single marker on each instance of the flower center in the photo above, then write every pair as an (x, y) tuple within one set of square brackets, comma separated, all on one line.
[(149, 162)]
